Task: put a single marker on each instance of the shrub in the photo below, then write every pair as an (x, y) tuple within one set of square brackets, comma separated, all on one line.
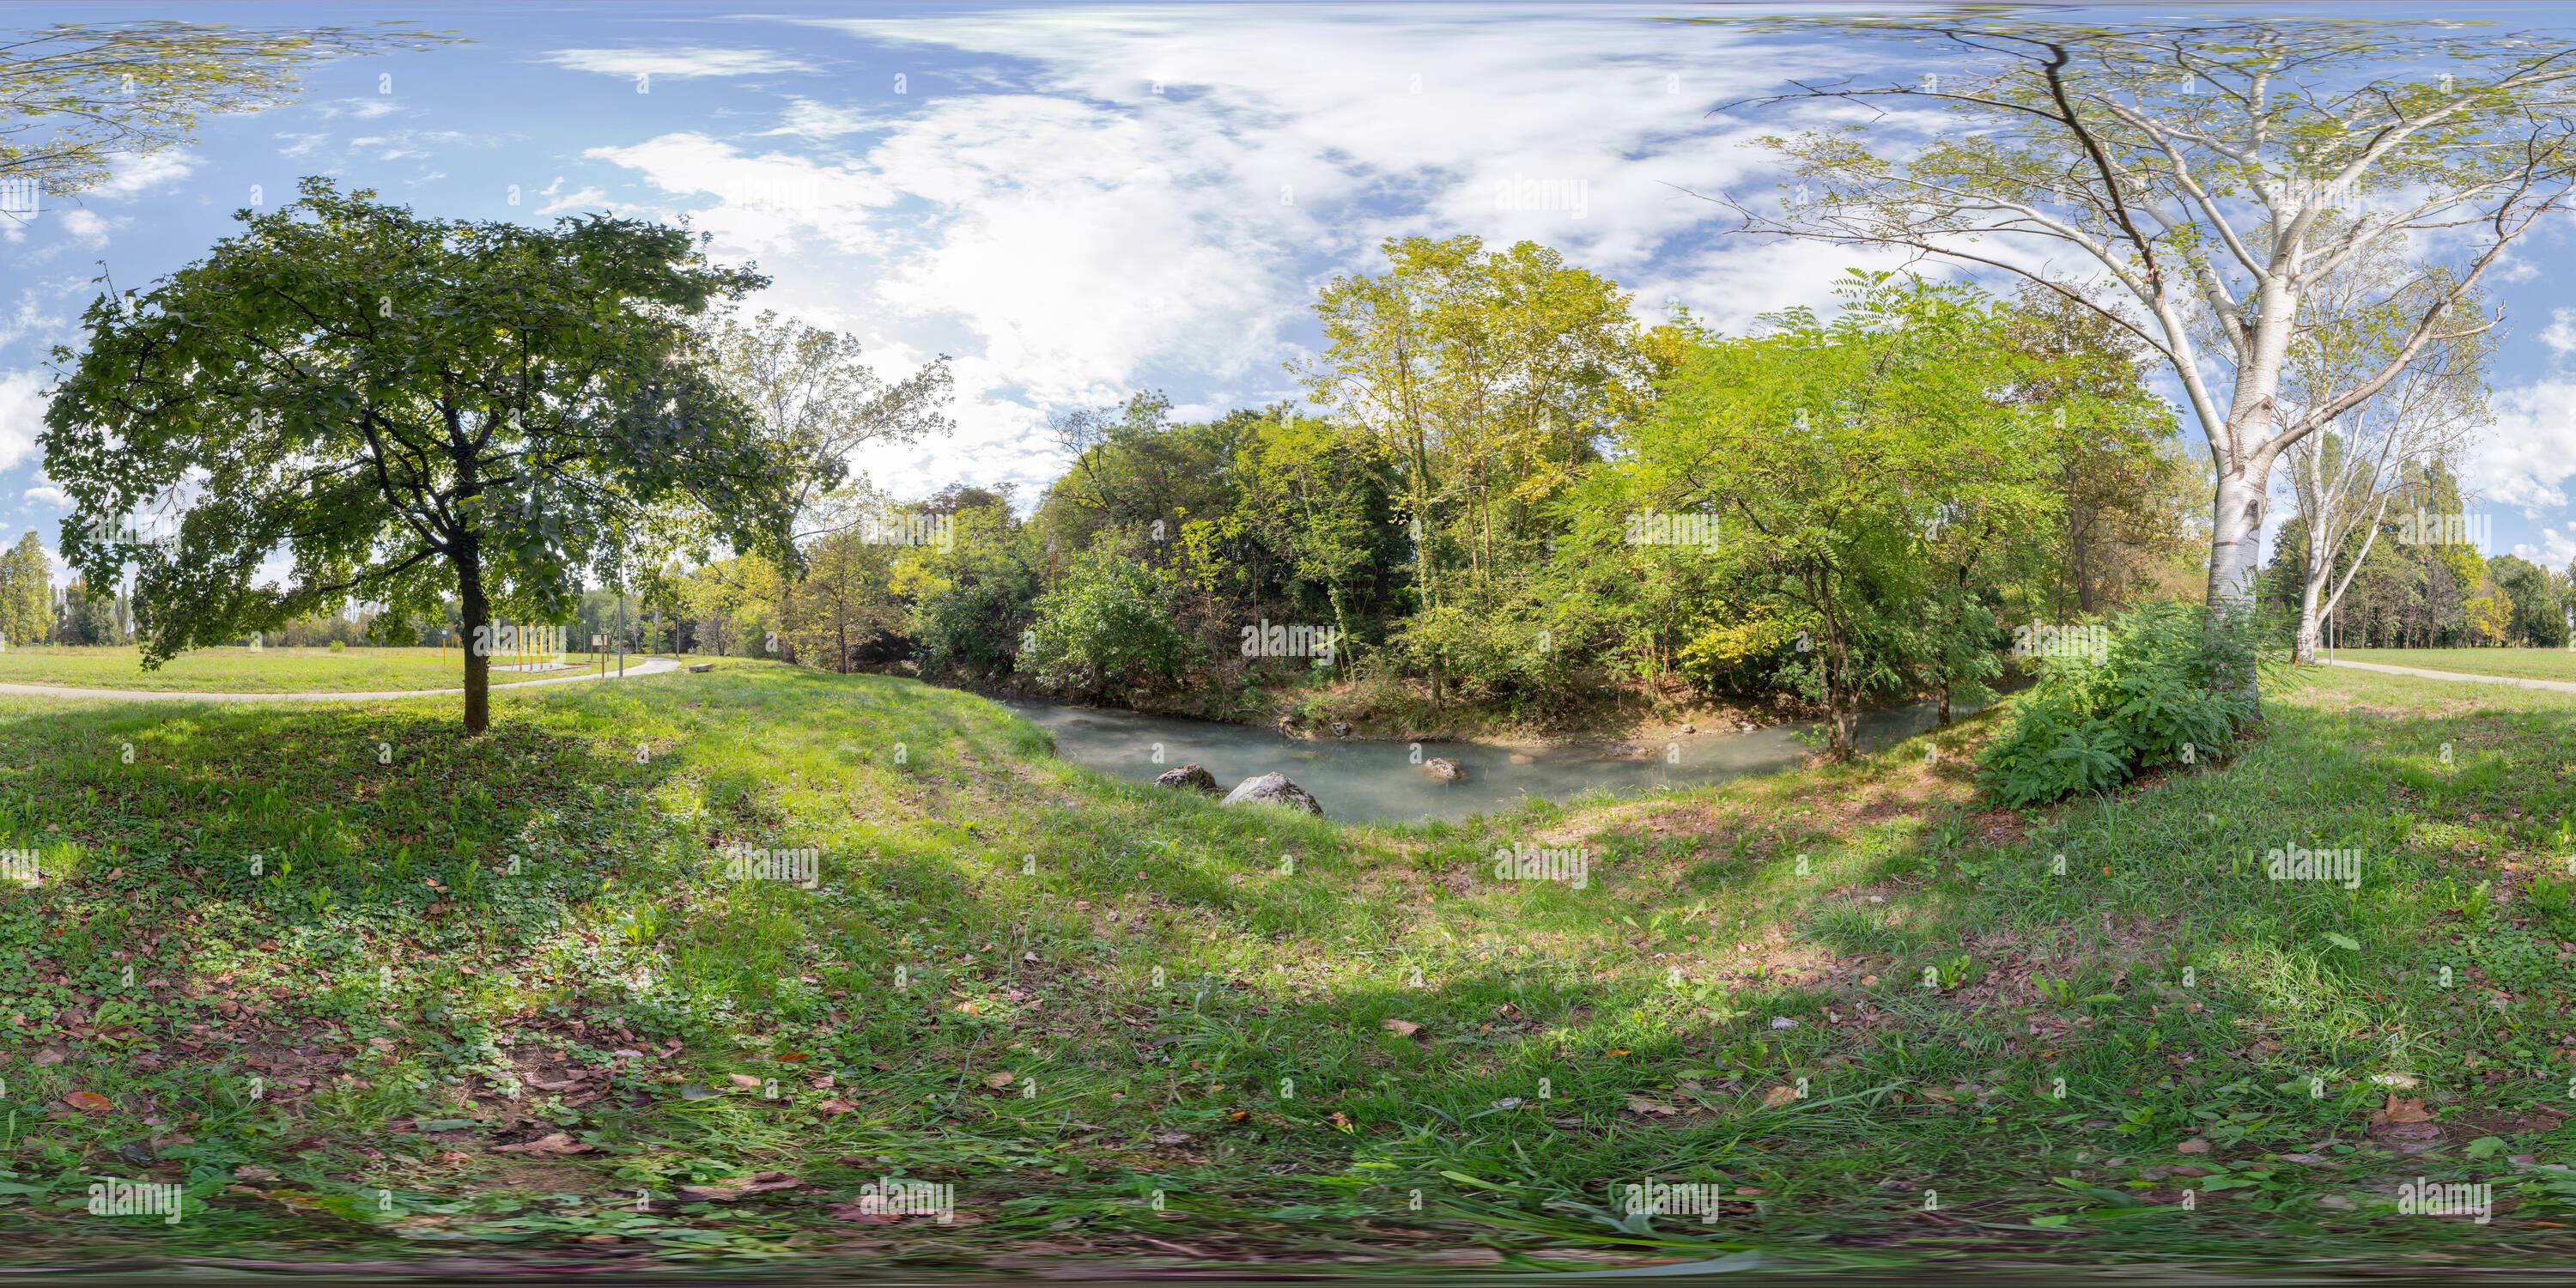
[(1107, 624), (339, 646), (2168, 689)]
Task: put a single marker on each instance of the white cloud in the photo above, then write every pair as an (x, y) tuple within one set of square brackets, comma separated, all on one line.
[(1158, 199), (2531, 450), (48, 494), (585, 199), (2556, 550), (364, 109), (676, 62), (813, 120), (2560, 334), (22, 413), (766, 203), (85, 226), (303, 145), (135, 174)]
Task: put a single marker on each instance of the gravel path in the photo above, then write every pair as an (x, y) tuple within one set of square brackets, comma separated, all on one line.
[(2559, 686), (634, 666)]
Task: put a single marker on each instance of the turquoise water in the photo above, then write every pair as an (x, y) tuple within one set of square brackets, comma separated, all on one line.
[(1383, 782)]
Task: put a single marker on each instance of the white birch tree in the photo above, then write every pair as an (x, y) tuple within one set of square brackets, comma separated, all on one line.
[(2201, 177)]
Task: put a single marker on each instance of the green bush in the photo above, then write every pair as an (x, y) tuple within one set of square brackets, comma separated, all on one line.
[(339, 646), (2168, 689), (1108, 623)]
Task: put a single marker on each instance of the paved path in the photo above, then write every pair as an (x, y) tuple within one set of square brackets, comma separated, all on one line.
[(634, 666), (2558, 686)]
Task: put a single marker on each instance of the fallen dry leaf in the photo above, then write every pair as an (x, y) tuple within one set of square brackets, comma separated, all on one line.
[(1778, 1096), (1641, 1105), (2193, 1146), (1401, 1028), (551, 1145), (88, 1102), (997, 1081), (728, 1191), (744, 1081)]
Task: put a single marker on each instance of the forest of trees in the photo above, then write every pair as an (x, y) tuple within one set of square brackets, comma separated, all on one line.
[(1505, 492)]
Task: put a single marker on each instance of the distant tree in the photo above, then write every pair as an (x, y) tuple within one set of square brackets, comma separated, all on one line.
[(846, 600), (410, 408), (2490, 614), (822, 402), (27, 592), (971, 583), (2538, 601), (1483, 379), (2343, 477)]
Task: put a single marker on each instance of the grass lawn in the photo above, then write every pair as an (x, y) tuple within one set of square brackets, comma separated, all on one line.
[(239, 670), (500, 1000), (2520, 663)]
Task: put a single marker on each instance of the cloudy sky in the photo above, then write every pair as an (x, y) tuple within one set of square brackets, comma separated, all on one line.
[(1074, 202)]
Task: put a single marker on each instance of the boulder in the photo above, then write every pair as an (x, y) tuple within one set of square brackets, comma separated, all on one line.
[(1192, 778), (1273, 789), (1445, 769)]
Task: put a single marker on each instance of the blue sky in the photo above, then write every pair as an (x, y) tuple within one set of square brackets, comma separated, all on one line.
[(1076, 202)]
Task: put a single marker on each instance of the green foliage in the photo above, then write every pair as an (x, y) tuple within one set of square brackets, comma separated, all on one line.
[(80, 96), (26, 592), (2170, 689), (972, 599), (1107, 624), (1868, 479), (410, 407)]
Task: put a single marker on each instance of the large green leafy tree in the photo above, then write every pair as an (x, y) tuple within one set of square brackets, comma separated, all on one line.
[(1857, 467), (408, 408), (1483, 379)]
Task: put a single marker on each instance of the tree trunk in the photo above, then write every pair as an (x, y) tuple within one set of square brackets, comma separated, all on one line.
[(1945, 704), (1839, 708), (2235, 539), (2304, 652), (478, 643), (2236, 532)]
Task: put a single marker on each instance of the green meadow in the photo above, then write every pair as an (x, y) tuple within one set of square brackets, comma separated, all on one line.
[(367, 989)]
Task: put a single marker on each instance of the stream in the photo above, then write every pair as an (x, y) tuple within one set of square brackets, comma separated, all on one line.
[(1379, 782)]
